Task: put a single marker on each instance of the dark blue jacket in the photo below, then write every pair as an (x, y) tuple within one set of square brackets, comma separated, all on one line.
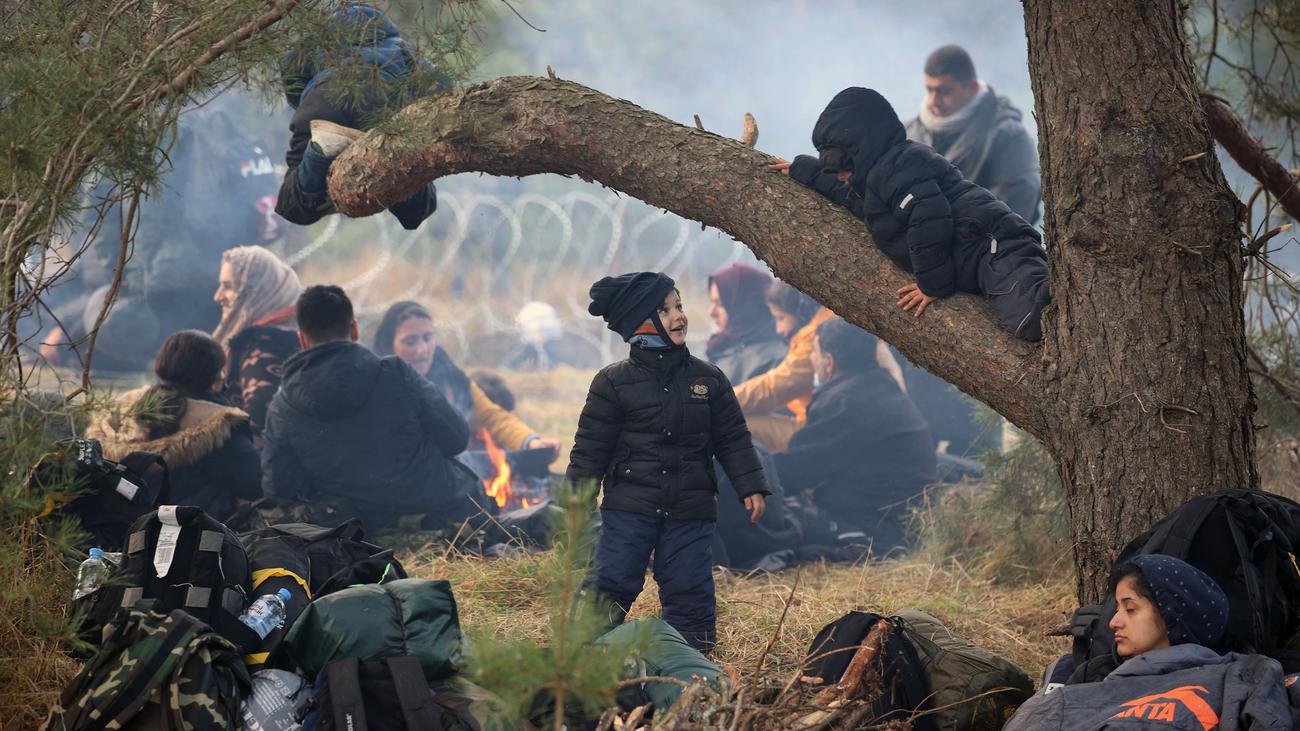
[(348, 424), (920, 210)]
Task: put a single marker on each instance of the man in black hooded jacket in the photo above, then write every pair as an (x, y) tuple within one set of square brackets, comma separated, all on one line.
[(952, 234), (864, 451), (364, 434)]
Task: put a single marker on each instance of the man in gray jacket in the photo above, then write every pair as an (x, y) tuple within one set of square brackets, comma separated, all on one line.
[(979, 132)]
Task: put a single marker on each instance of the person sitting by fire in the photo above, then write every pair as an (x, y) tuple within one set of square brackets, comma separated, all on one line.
[(775, 402), (351, 433), (256, 292), (406, 331), (864, 451), (746, 342), (205, 441)]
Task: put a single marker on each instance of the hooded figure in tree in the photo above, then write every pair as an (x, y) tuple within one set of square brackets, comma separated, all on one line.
[(952, 234), (354, 69)]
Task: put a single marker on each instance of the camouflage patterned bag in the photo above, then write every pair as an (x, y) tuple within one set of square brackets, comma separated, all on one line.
[(164, 672)]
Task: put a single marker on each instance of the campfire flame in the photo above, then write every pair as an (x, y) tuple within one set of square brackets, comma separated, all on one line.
[(498, 488)]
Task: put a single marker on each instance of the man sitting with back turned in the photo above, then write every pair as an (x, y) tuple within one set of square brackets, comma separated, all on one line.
[(364, 434)]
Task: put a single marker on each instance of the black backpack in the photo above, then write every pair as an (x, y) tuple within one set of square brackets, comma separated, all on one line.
[(311, 561), (205, 572), (1246, 541), (902, 685), (110, 496), (384, 695)]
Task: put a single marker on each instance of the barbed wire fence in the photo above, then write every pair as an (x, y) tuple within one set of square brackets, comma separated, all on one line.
[(484, 255)]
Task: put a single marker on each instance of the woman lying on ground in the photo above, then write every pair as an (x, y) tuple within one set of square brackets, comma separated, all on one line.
[(206, 442), (407, 332), (1170, 616), (257, 293)]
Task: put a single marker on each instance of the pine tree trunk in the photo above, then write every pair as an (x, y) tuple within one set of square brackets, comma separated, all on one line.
[(1140, 388), (1146, 362)]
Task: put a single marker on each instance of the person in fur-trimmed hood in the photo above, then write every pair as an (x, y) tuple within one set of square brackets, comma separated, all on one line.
[(206, 442), (649, 433), (953, 235)]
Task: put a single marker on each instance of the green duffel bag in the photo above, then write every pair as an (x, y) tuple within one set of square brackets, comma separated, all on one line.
[(664, 654), (374, 621), (974, 689)]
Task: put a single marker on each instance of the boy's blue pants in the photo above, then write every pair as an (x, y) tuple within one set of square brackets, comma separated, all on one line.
[(683, 568)]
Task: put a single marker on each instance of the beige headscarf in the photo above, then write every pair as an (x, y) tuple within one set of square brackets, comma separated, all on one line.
[(264, 285)]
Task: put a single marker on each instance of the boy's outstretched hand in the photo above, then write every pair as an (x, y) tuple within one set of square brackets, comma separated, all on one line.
[(755, 505), (778, 165), (912, 296)]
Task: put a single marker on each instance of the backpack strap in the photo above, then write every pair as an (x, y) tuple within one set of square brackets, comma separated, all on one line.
[(347, 707), (413, 696), (1250, 577)]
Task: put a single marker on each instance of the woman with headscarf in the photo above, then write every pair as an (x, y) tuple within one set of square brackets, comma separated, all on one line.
[(746, 343), (407, 332), (1169, 622), (257, 293), (206, 443)]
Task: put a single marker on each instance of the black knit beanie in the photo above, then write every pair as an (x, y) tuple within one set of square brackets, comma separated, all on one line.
[(628, 300)]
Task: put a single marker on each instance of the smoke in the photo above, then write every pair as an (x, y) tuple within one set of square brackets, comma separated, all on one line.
[(496, 243)]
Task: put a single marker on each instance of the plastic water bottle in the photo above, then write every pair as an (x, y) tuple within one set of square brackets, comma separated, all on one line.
[(91, 574), (267, 613)]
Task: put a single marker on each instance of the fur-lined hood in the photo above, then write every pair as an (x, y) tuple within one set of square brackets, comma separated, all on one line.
[(204, 428)]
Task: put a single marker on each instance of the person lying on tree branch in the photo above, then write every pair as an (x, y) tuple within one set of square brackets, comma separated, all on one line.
[(952, 234)]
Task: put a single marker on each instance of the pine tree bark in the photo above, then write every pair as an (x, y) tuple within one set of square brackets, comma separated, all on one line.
[(1140, 389), (1146, 365)]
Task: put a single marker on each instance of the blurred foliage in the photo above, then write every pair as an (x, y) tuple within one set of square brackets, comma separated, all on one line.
[(1011, 526), (1247, 51), (39, 552), (92, 91)]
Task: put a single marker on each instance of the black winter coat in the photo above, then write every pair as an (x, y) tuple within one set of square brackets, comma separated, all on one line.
[(864, 449), (994, 151), (348, 424), (650, 430), (920, 210)]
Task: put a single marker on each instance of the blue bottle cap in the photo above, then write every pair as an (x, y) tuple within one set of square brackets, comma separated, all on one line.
[(97, 553), (284, 595)]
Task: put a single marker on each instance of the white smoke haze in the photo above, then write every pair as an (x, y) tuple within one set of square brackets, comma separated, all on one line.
[(497, 243)]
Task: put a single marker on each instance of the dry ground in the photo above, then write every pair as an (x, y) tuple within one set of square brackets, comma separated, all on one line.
[(504, 596)]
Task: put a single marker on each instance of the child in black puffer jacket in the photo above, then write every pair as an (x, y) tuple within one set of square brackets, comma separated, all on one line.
[(952, 234), (649, 433)]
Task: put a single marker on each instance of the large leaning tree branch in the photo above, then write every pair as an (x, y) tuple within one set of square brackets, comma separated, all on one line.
[(1250, 154), (525, 125)]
